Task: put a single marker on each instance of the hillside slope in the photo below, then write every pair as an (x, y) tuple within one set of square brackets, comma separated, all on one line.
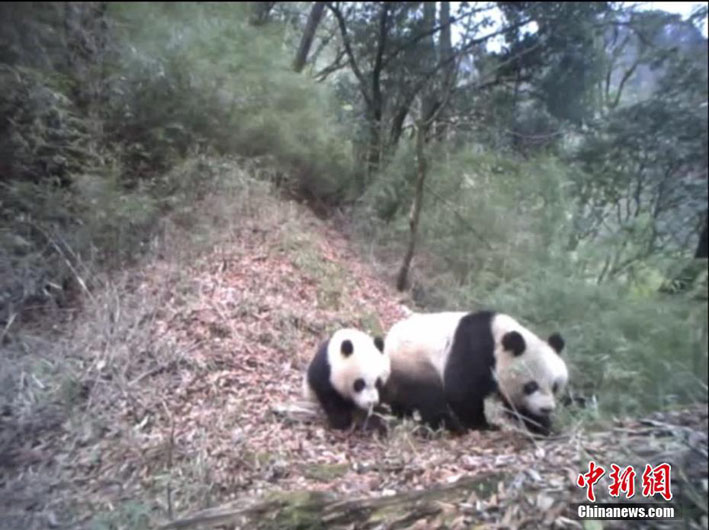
[(161, 397)]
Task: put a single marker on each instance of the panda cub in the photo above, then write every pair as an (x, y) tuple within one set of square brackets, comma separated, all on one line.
[(445, 364), (347, 374)]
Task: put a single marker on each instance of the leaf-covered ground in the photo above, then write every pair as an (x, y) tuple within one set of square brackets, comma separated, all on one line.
[(166, 396)]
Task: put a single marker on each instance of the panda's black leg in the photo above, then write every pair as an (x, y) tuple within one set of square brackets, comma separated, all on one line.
[(339, 417), (435, 413), (453, 424), (337, 410), (444, 419), (399, 410), (471, 414)]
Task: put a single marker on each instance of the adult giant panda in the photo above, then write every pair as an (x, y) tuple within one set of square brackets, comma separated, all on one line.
[(346, 374), (445, 364)]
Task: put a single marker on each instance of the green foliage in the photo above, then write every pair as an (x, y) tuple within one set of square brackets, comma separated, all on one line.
[(54, 237), (635, 353), (42, 133), (641, 191), (114, 219), (102, 108), (202, 75), (391, 193), (494, 234), (565, 63), (486, 216)]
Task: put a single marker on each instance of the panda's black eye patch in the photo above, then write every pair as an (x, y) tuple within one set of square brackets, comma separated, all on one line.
[(514, 342), (530, 388), (358, 385), (379, 383), (555, 387), (379, 343), (346, 348)]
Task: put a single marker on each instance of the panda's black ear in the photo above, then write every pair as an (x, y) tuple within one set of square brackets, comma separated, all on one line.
[(379, 343), (556, 341), (346, 348), (514, 342)]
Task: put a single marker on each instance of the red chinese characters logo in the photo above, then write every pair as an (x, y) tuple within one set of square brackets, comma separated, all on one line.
[(657, 480), (588, 480), (622, 481)]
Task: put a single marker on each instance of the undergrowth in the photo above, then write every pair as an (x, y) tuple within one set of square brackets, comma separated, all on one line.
[(493, 235), (86, 381), (98, 147)]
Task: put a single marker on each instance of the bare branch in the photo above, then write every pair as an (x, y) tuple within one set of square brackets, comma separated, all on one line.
[(336, 65), (626, 76), (430, 32), (348, 49), (426, 77)]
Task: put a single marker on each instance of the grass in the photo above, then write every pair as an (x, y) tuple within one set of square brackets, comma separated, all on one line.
[(131, 514), (71, 388), (330, 278), (635, 354)]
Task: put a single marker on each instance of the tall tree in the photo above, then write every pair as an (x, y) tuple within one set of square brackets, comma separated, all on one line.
[(306, 41), (402, 278), (703, 244), (446, 53), (565, 65), (643, 189), (261, 12), (422, 126), (384, 44), (428, 58)]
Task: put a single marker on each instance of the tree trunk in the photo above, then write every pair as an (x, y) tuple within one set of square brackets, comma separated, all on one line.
[(402, 279), (397, 125), (377, 101), (428, 59), (260, 13), (690, 273), (315, 509), (446, 43), (445, 47), (703, 245), (306, 41), (373, 148)]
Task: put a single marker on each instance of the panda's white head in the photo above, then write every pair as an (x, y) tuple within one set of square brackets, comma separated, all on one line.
[(358, 366), (530, 371)]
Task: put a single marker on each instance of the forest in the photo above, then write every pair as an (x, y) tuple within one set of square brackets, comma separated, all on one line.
[(194, 195)]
